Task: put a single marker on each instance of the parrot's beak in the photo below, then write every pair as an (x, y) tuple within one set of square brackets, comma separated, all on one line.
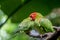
[(32, 19)]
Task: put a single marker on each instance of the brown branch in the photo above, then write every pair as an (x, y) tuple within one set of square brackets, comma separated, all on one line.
[(49, 36), (56, 34), (46, 36)]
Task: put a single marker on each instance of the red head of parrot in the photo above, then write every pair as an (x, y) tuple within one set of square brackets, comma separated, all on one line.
[(33, 16)]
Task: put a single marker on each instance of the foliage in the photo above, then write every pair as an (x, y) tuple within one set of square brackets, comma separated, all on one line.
[(12, 12)]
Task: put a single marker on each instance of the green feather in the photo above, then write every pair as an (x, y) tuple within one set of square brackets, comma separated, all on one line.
[(47, 25), (26, 24), (38, 19), (44, 25)]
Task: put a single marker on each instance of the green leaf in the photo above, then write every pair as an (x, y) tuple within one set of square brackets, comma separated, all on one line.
[(9, 5), (21, 36), (4, 35), (9, 27)]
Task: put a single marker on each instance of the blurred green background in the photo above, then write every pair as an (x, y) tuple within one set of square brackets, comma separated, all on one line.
[(12, 12)]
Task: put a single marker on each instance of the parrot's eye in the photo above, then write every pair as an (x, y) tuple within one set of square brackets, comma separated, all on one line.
[(33, 15)]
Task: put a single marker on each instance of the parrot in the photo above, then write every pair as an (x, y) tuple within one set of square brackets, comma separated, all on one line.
[(37, 21), (41, 22)]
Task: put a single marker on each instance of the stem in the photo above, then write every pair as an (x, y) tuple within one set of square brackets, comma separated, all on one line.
[(12, 13)]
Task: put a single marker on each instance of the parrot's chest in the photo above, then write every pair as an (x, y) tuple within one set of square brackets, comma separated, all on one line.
[(37, 22)]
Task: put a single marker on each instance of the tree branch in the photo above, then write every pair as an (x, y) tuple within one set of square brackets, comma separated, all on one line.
[(56, 34), (46, 36), (12, 13), (49, 36)]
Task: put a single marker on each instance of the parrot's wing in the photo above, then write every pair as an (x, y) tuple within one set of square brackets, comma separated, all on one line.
[(26, 24), (46, 24)]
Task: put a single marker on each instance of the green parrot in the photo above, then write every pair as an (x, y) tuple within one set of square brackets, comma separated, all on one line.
[(37, 21), (41, 23), (26, 24)]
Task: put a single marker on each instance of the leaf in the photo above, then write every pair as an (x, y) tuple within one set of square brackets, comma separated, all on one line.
[(20, 36), (9, 27), (9, 5), (2, 17), (4, 35)]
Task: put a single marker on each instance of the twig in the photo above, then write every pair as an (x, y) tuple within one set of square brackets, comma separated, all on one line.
[(13, 36), (12, 13), (49, 36), (56, 34), (46, 36)]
